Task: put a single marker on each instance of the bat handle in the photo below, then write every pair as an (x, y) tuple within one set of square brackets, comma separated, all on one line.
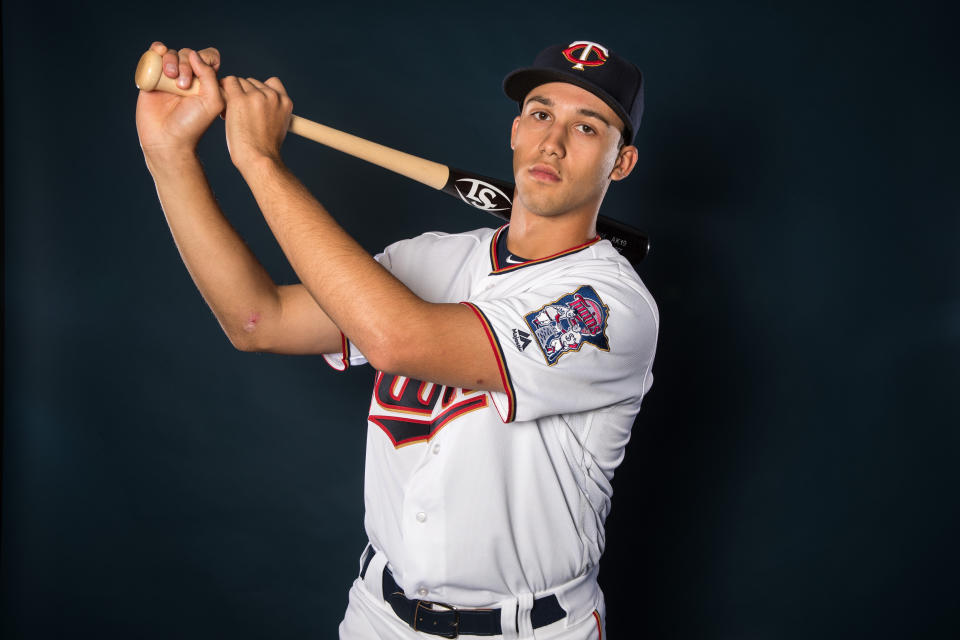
[(149, 76)]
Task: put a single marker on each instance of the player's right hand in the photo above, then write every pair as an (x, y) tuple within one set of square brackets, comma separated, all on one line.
[(170, 122)]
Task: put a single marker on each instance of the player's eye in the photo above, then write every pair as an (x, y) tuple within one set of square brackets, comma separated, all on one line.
[(539, 115), (587, 129)]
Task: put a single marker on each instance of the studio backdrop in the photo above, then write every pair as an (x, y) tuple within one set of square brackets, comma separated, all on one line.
[(790, 474)]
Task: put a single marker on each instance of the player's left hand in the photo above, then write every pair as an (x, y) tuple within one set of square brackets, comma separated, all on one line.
[(257, 117)]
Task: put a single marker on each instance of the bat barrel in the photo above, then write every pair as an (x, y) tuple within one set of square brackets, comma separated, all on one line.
[(632, 243)]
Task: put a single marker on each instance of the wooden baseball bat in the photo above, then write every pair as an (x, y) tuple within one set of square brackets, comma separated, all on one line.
[(484, 193)]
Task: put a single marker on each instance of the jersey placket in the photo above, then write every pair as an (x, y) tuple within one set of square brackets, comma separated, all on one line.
[(424, 527)]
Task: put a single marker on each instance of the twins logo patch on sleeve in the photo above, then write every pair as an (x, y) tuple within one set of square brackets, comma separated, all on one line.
[(569, 322)]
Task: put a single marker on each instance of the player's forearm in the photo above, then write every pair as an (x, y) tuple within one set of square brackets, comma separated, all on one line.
[(397, 331), (233, 283), (361, 297)]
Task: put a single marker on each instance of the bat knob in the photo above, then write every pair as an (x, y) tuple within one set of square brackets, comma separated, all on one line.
[(149, 76), (149, 70)]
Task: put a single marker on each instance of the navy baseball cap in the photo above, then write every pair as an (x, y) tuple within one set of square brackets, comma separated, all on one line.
[(590, 66)]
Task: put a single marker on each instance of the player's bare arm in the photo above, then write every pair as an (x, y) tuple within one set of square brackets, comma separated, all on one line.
[(396, 331), (253, 311)]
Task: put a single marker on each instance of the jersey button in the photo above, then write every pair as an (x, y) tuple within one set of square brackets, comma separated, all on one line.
[(422, 592), (421, 517), (436, 448)]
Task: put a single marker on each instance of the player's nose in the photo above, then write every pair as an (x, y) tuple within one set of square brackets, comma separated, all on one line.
[(552, 142)]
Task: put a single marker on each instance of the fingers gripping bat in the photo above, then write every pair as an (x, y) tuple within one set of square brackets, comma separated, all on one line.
[(484, 193)]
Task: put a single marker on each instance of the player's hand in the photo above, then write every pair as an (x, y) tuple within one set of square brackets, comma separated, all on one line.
[(257, 118), (170, 122)]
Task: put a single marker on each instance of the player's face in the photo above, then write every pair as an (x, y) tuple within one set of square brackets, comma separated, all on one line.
[(566, 144)]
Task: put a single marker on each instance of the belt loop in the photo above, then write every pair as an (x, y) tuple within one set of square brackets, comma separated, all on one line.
[(524, 624), (373, 574), (365, 559), (508, 619)]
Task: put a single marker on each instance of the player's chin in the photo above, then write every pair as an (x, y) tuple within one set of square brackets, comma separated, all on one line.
[(550, 213), (543, 199), (544, 205)]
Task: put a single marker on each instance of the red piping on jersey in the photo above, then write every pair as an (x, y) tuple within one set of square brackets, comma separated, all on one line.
[(344, 355), (599, 628), (501, 363), (498, 269), (345, 347)]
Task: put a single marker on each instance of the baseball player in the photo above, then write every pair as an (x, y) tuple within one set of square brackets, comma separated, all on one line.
[(510, 363)]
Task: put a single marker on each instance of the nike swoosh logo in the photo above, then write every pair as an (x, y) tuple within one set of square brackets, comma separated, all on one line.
[(510, 260)]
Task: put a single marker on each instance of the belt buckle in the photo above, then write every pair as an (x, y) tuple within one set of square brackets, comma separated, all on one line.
[(443, 634)]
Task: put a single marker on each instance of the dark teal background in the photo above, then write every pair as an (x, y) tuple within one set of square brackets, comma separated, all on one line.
[(792, 472)]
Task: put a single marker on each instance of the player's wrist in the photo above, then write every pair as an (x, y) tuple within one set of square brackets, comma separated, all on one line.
[(166, 158), (253, 165)]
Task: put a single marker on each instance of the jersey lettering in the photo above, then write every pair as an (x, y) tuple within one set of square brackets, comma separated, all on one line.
[(430, 407), (399, 393)]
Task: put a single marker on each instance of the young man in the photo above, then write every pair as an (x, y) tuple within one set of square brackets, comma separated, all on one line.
[(507, 386)]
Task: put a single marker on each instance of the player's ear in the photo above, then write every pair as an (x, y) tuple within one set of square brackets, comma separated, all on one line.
[(626, 161), (513, 132)]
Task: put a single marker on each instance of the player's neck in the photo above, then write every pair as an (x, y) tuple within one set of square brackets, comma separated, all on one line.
[(535, 237)]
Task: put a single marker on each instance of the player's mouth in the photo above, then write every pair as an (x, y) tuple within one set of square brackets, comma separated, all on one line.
[(544, 173)]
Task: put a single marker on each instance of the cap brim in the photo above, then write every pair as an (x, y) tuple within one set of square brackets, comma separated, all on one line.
[(520, 82)]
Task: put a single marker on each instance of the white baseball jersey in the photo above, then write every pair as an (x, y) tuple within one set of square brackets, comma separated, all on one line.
[(477, 498)]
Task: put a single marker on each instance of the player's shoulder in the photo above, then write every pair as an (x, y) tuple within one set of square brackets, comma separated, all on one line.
[(602, 266), (441, 239), (437, 245)]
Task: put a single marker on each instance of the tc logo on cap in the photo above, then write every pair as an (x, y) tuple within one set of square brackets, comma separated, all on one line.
[(586, 48)]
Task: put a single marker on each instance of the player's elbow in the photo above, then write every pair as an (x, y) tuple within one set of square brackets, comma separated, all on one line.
[(242, 342), (382, 353), (247, 333), (395, 348)]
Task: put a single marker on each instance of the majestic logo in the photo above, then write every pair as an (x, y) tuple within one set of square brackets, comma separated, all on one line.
[(585, 47), (482, 195), (569, 322), (419, 409), (521, 339)]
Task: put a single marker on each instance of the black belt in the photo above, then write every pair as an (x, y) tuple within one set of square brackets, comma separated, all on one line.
[(449, 622)]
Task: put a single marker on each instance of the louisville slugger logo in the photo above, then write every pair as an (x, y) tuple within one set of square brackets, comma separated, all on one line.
[(583, 59), (482, 195)]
